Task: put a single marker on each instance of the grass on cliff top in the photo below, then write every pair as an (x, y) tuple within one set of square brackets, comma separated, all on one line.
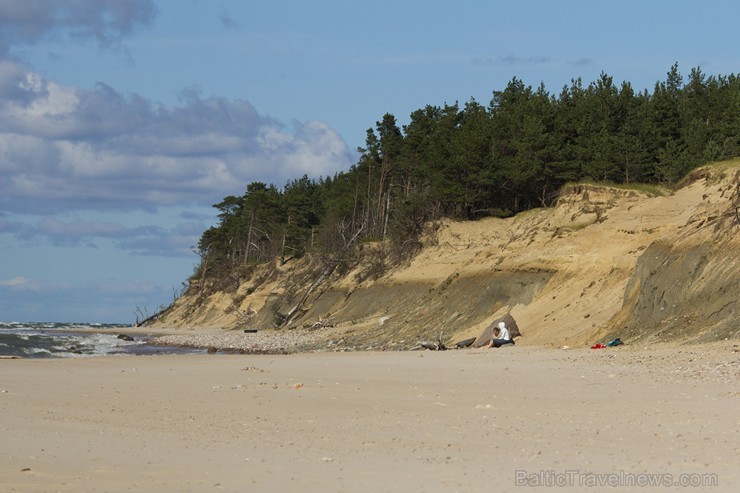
[(655, 190), (650, 189), (730, 163)]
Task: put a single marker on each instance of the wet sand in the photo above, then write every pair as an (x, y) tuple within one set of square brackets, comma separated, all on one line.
[(513, 419)]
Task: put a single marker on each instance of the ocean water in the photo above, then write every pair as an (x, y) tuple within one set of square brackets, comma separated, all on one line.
[(76, 340)]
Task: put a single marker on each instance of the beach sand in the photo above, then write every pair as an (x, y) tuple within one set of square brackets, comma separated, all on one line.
[(466, 420)]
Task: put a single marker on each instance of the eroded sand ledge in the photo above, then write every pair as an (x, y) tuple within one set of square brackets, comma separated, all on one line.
[(369, 421), (603, 263)]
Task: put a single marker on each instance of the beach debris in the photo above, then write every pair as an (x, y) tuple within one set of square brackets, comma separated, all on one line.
[(465, 343), (383, 320), (612, 343), (246, 316), (433, 346), (319, 324)]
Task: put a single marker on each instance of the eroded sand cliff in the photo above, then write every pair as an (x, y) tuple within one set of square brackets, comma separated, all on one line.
[(603, 263)]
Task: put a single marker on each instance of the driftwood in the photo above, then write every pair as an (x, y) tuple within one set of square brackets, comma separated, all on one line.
[(434, 346), (325, 273), (149, 318), (245, 316), (319, 324)]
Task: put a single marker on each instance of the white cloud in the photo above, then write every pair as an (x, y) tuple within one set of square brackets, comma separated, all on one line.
[(18, 283), (51, 101), (66, 150), (70, 149)]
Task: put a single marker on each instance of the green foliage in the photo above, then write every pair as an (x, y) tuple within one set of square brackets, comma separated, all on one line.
[(473, 161), (650, 189)]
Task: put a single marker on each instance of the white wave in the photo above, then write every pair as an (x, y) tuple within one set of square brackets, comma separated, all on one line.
[(36, 350)]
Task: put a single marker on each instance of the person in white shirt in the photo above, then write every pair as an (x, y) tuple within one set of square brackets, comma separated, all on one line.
[(500, 336)]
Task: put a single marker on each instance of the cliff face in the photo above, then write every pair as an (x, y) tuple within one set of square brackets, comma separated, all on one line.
[(603, 263)]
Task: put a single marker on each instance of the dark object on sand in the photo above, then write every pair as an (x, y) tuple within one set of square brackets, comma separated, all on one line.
[(465, 343), (250, 331), (434, 346), (487, 333)]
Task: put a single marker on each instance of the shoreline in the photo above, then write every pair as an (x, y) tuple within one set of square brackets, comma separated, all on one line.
[(332, 339)]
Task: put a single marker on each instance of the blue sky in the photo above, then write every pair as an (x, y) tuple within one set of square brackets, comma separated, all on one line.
[(123, 121)]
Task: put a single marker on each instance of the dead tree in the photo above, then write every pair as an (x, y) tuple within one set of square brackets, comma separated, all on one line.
[(325, 273)]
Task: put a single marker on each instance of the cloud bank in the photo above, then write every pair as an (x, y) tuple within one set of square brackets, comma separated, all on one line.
[(105, 21), (68, 148)]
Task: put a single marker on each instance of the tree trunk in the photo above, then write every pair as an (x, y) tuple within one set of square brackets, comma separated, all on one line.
[(204, 270), (325, 273), (387, 211), (249, 238)]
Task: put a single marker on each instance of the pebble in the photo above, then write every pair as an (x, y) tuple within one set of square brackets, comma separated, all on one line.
[(264, 341)]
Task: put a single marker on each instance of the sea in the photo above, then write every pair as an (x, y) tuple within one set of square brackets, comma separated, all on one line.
[(76, 340)]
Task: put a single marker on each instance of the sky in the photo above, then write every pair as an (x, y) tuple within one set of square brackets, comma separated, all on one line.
[(123, 121)]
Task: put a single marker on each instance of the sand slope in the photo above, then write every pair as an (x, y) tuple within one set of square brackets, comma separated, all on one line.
[(603, 263)]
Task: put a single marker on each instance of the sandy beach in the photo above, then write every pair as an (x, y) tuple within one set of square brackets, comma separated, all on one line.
[(513, 419)]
